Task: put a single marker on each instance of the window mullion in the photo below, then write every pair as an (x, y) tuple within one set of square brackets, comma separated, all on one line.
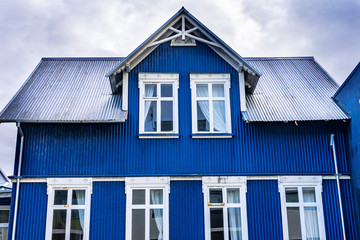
[(67, 226), (302, 213), (225, 215), (211, 108), (147, 214)]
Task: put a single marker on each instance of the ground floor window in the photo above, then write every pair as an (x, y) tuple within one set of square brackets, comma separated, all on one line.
[(225, 208), (4, 221), (147, 208), (68, 213), (301, 207)]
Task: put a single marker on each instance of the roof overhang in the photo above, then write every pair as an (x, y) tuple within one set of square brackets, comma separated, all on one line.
[(182, 27)]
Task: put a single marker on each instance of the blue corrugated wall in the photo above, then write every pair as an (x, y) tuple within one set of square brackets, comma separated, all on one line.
[(186, 210), (115, 149), (108, 211), (263, 210)]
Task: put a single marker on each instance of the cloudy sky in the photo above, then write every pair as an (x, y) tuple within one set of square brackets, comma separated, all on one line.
[(32, 29)]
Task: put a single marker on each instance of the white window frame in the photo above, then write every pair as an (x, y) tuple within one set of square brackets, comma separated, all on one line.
[(158, 78), (225, 182), (69, 184), (147, 183), (5, 225), (213, 78), (301, 182)]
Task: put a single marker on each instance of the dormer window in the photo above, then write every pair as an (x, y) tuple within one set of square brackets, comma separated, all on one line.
[(210, 103), (158, 111)]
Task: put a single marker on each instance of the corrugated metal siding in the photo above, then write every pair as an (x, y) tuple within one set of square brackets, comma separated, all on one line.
[(292, 89), (186, 210), (115, 149), (62, 89), (263, 210), (31, 221), (332, 210), (108, 211)]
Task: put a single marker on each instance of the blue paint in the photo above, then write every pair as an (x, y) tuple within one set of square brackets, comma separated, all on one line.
[(348, 97), (263, 210), (186, 210), (108, 211)]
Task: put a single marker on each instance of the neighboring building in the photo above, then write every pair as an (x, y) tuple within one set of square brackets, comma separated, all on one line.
[(5, 198), (182, 139), (348, 97)]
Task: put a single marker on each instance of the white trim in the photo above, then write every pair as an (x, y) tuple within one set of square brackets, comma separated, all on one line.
[(147, 183), (210, 78), (158, 79), (225, 182), (158, 136), (300, 182), (211, 136), (125, 91), (242, 92), (69, 184)]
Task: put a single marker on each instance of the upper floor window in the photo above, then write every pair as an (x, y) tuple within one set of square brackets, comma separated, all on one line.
[(158, 111), (225, 208), (210, 103), (147, 208), (4, 221), (301, 207), (68, 214)]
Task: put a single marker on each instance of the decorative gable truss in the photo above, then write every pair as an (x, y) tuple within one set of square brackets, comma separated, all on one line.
[(183, 29)]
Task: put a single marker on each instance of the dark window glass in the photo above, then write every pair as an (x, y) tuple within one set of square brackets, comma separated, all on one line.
[(203, 116), (216, 195), (59, 225), (77, 224), (216, 224), (150, 116), (156, 222), (294, 224), (138, 197), (167, 116), (138, 224), (291, 195), (166, 90), (4, 216), (78, 197), (60, 197)]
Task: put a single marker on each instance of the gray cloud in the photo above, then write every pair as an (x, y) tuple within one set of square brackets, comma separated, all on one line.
[(326, 29)]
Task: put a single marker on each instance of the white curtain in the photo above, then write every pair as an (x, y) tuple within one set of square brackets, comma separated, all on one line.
[(309, 195), (79, 197), (219, 116), (156, 198), (202, 91), (81, 217), (311, 223), (234, 216), (149, 92)]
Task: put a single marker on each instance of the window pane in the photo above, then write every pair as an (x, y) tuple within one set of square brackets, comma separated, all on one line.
[(77, 224), (3, 233), (138, 197), (219, 116), (78, 197), (202, 90), (156, 196), (309, 194), (216, 195), (218, 90), (150, 90), (203, 116), (311, 223), (234, 220), (216, 224), (292, 195), (60, 197), (156, 224), (138, 224), (59, 224), (4, 216), (166, 116), (150, 116), (233, 195), (294, 226), (166, 90)]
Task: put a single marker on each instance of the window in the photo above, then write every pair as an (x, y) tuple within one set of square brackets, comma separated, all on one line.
[(225, 208), (147, 208), (4, 221), (210, 103), (158, 111), (68, 214), (301, 207)]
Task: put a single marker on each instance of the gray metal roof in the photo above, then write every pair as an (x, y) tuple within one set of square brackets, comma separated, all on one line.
[(68, 90), (292, 89)]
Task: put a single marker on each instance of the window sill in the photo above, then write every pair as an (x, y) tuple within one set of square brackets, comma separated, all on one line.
[(158, 135), (211, 135)]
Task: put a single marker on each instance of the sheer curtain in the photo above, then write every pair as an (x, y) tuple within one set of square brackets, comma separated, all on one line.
[(79, 196), (219, 116), (204, 105), (156, 197), (149, 92), (234, 216), (311, 223)]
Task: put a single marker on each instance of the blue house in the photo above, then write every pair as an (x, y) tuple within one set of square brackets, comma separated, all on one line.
[(182, 139), (5, 199), (347, 96)]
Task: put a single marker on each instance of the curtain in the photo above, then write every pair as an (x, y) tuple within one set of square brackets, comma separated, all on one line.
[(204, 105), (156, 197), (311, 223), (81, 218), (149, 92), (234, 216), (219, 116), (309, 195)]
